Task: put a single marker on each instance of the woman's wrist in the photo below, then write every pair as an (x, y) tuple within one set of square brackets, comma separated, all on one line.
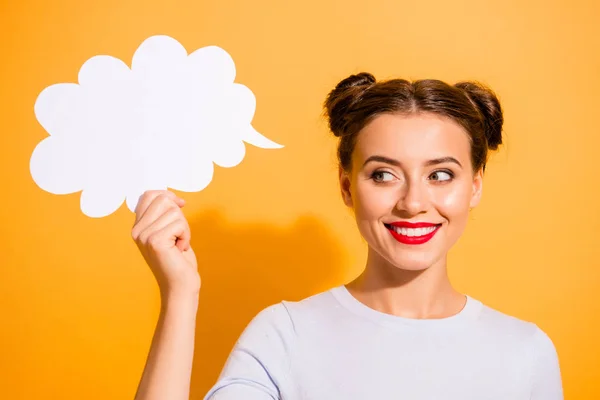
[(180, 298)]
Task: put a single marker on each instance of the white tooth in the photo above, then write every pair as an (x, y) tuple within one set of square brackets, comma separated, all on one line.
[(411, 232)]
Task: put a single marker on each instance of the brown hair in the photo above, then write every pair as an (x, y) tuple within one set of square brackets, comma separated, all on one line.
[(358, 99)]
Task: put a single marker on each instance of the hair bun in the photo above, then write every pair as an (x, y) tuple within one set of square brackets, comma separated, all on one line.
[(360, 79), (341, 99), (488, 105)]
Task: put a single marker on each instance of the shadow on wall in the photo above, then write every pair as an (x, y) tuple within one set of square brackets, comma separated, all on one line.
[(246, 268)]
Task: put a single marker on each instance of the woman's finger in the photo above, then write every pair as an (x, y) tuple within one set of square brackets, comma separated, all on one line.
[(160, 223), (176, 231), (160, 205), (145, 200), (150, 196)]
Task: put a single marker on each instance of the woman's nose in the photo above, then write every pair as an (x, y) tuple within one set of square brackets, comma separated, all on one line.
[(413, 199)]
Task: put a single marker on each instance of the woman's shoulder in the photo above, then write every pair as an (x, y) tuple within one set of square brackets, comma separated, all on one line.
[(287, 315), (287, 311), (508, 332), (509, 326)]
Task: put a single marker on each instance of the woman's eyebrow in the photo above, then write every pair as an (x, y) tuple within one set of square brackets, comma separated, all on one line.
[(396, 163), (443, 160), (383, 159)]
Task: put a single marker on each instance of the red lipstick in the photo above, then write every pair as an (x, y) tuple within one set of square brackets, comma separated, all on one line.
[(430, 228)]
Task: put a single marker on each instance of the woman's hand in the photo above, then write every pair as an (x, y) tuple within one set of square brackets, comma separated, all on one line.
[(162, 234)]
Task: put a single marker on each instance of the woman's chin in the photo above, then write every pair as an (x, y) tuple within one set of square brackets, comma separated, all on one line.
[(419, 262), (406, 259), (411, 266)]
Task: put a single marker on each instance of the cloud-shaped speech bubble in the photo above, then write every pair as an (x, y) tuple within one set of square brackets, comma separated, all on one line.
[(160, 124)]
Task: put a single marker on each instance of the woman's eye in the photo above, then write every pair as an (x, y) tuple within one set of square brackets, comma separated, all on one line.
[(382, 176), (441, 176)]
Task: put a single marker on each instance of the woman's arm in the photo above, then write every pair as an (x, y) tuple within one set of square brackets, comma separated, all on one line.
[(546, 375), (169, 365), (163, 237), (260, 363)]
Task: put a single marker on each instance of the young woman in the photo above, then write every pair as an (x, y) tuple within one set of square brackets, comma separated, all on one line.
[(412, 157)]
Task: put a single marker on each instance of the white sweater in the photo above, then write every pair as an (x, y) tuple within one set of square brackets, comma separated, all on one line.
[(331, 346)]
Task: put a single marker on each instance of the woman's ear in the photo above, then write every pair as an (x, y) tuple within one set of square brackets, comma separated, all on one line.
[(345, 181), (477, 188)]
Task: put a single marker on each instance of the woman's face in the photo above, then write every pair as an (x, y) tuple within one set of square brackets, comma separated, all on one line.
[(411, 187)]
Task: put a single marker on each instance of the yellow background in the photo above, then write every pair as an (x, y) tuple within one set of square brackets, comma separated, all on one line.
[(78, 303)]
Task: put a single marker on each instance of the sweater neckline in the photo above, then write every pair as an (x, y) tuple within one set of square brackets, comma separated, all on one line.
[(467, 314)]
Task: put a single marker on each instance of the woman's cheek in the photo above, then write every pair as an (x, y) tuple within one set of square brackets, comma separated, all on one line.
[(454, 202), (374, 201)]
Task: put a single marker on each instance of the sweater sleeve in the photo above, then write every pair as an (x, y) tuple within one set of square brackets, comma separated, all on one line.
[(547, 382), (257, 367)]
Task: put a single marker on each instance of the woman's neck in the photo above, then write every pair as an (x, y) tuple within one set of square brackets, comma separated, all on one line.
[(421, 294)]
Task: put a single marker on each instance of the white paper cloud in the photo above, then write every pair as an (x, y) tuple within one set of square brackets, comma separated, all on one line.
[(160, 124)]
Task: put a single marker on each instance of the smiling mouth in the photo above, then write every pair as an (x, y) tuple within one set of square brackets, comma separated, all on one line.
[(413, 236)]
